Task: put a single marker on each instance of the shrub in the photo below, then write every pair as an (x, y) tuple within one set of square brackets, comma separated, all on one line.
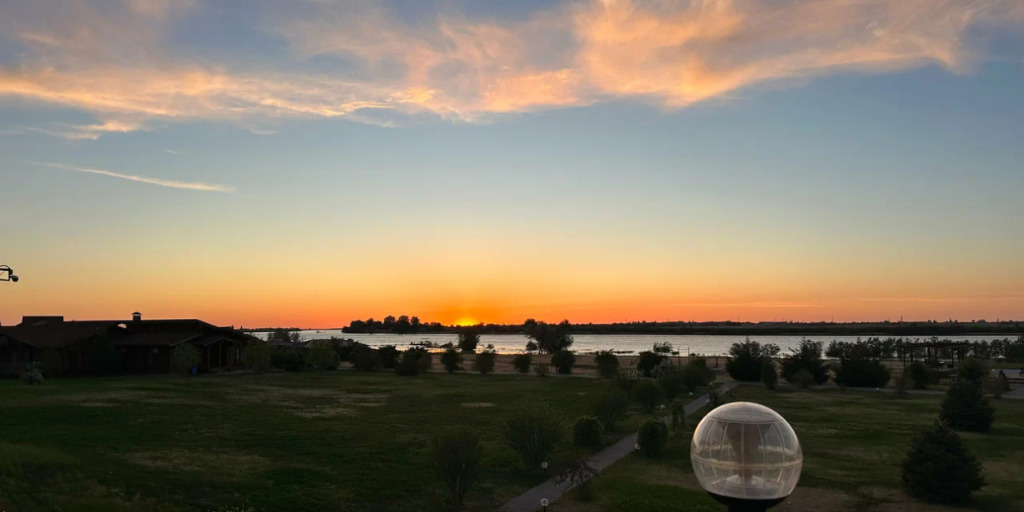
[(451, 359), (672, 383), (563, 361), (184, 357), (413, 361), (973, 370), (587, 431), (696, 374), (648, 394), (366, 360), (346, 348), (921, 375), (258, 356), (607, 364), (32, 377), (321, 356), (289, 359), (678, 415), (769, 376), (965, 408), (626, 380), (522, 362), (389, 355), (860, 365), (806, 357), (550, 338), (939, 469), (611, 407), (457, 454), (662, 348), (468, 340), (484, 362), (999, 384), (647, 362), (652, 437), (747, 358), (532, 429), (803, 379), (541, 369)]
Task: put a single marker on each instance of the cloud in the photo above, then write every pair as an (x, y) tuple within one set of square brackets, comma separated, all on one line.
[(120, 64), (187, 185)]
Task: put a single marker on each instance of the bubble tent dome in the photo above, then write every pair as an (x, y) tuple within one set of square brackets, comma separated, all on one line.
[(746, 456)]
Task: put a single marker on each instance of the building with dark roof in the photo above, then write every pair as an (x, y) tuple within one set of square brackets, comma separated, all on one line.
[(105, 346)]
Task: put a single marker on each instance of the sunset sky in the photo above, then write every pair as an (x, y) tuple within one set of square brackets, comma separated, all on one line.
[(308, 162)]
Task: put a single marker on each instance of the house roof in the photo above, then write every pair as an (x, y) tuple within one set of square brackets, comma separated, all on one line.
[(55, 334), (156, 339)]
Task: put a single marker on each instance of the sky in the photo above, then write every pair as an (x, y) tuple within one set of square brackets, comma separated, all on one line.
[(309, 162)]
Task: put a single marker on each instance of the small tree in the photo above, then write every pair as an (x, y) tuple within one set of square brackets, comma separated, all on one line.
[(647, 362), (389, 355), (939, 469), (550, 338), (468, 340), (522, 362), (541, 369), (457, 454), (587, 431), (806, 357), (366, 360), (672, 383), (451, 359), (769, 377), (966, 408), (184, 358), (921, 375), (532, 429), (563, 361), (973, 370), (860, 365), (649, 394), (803, 379), (484, 362), (414, 361), (607, 364), (652, 437), (610, 407), (258, 356), (321, 356), (696, 374), (747, 358)]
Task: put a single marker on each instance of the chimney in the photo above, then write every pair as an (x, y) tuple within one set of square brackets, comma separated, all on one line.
[(136, 317)]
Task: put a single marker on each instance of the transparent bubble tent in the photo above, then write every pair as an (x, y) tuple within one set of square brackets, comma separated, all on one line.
[(748, 452)]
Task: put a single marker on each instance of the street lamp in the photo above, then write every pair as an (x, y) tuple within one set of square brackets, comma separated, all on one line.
[(746, 456), (6, 274)]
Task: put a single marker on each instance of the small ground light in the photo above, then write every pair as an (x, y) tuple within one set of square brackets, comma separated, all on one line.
[(544, 465), (746, 456), (636, 447), (544, 503)]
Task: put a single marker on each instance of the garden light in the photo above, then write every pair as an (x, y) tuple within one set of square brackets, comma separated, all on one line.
[(746, 456)]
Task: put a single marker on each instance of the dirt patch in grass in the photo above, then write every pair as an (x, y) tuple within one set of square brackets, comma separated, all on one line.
[(97, 404), (323, 412), (229, 466), (477, 404)]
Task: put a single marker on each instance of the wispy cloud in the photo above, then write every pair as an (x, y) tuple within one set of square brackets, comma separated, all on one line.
[(187, 185), (120, 66)]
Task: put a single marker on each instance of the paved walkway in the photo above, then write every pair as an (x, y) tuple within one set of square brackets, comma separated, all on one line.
[(1016, 393), (530, 500)]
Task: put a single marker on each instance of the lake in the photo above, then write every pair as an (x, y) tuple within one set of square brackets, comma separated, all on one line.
[(626, 343)]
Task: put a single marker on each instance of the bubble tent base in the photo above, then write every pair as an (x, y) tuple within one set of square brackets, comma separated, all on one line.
[(746, 505)]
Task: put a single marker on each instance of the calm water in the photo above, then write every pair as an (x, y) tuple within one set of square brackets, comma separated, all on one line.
[(685, 344)]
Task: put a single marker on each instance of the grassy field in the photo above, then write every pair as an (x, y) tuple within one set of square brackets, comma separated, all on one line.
[(339, 441), (853, 443)]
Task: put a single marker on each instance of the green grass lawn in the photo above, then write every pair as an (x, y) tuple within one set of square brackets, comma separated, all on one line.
[(338, 441), (853, 443)]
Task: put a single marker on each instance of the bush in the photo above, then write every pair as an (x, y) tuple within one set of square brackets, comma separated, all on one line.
[(696, 374), (647, 362), (468, 340), (999, 384), (184, 357), (587, 431), (806, 357), (289, 359), (921, 375), (678, 415), (550, 338), (346, 348), (258, 356), (611, 407), (607, 364), (563, 361), (626, 380), (652, 437), (649, 394), (672, 383), (747, 358), (366, 360), (457, 454), (973, 370), (484, 362), (541, 369), (522, 362), (32, 377), (860, 365), (532, 429), (389, 355), (769, 376), (965, 408), (803, 379), (321, 356), (451, 359), (939, 469), (414, 361)]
